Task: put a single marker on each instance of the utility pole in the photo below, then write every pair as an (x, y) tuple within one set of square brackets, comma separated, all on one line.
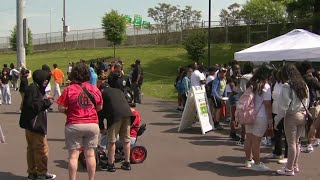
[(21, 53), (64, 24), (209, 36)]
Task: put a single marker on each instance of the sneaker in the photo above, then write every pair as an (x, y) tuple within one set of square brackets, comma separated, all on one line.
[(240, 143), (286, 172), (283, 161), (248, 164), (234, 137), (218, 127), (259, 167), (108, 167), (46, 177), (32, 177), (272, 156), (126, 166), (309, 148)]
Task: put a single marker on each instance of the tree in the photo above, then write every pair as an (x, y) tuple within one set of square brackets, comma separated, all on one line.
[(195, 44), (13, 41), (188, 18), (300, 10), (114, 26), (165, 16), (263, 11), (231, 16)]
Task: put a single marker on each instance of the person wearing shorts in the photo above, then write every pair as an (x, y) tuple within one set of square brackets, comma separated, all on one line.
[(119, 117), (82, 129), (263, 121), (218, 91)]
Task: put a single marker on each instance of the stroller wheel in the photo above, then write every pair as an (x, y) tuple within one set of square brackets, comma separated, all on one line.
[(138, 154)]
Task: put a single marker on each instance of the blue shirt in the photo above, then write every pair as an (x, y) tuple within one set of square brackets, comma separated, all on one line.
[(93, 77)]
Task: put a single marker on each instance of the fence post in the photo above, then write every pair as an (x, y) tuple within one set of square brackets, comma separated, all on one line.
[(94, 39), (77, 39)]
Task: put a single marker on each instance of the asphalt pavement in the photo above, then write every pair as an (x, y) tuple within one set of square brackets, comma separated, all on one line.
[(171, 155)]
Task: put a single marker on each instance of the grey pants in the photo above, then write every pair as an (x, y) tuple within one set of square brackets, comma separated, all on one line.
[(294, 127), (136, 88)]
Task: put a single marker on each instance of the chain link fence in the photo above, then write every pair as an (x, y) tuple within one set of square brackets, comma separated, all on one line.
[(94, 38)]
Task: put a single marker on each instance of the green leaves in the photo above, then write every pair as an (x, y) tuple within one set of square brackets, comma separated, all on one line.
[(114, 26), (264, 11), (195, 44), (13, 41)]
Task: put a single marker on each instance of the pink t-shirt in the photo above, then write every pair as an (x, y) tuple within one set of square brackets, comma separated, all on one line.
[(80, 109)]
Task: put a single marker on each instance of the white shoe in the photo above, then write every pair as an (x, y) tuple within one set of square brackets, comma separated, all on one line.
[(283, 161), (286, 172), (260, 167), (309, 148), (248, 164), (272, 156)]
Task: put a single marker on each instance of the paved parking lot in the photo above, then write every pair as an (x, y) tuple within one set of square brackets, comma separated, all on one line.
[(171, 155)]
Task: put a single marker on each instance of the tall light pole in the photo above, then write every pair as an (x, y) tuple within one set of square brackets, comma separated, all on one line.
[(64, 24), (209, 36), (21, 54), (50, 24)]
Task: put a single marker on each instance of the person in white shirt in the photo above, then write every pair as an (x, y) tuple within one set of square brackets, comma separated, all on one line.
[(294, 99), (264, 121), (197, 77)]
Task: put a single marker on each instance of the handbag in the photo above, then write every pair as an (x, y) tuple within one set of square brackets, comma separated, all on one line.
[(309, 117), (89, 95)]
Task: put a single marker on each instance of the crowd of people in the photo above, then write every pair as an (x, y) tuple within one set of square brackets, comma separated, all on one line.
[(93, 104), (283, 100)]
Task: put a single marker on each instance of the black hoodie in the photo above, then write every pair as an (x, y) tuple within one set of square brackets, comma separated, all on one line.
[(33, 116)]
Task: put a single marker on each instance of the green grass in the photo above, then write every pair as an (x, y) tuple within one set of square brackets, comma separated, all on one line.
[(160, 64)]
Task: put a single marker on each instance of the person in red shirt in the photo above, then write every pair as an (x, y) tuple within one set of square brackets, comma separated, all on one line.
[(80, 101), (135, 126)]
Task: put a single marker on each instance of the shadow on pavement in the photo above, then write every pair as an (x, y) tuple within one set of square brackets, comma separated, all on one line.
[(10, 113), (172, 116), (61, 164), (164, 124), (193, 130), (10, 176), (262, 149), (56, 139), (227, 170)]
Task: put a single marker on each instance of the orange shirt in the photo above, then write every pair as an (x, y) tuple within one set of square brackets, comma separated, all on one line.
[(58, 75)]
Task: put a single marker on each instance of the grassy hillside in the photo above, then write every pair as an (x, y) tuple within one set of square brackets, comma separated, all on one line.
[(160, 64)]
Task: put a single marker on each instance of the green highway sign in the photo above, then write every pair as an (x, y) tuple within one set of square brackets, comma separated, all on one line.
[(137, 21)]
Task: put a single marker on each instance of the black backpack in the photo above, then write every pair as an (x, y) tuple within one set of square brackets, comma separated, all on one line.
[(209, 89)]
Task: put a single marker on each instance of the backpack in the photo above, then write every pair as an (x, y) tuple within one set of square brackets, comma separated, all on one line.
[(245, 113), (179, 86), (209, 89)]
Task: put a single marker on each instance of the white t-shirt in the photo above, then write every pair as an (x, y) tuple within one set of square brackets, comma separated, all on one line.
[(196, 77), (48, 88), (276, 97), (209, 79), (265, 96)]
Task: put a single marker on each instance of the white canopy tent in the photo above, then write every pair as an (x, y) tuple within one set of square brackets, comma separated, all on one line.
[(296, 45)]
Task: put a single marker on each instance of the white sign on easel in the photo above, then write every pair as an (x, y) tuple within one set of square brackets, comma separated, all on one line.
[(197, 106)]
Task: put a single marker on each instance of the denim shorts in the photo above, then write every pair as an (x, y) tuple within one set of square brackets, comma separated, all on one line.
[(233, 100)]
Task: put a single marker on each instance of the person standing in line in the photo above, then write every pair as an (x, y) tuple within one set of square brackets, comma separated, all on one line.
[(80, 101), (23, 84), (178, 78), (6, 94), (197, 77), (263, 109), (137, 80), (293, 104), (33, 119), (247, 75), (58, 76), (218, 92), (278, 125), (186, 84), (234, 83), (93, 75)]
